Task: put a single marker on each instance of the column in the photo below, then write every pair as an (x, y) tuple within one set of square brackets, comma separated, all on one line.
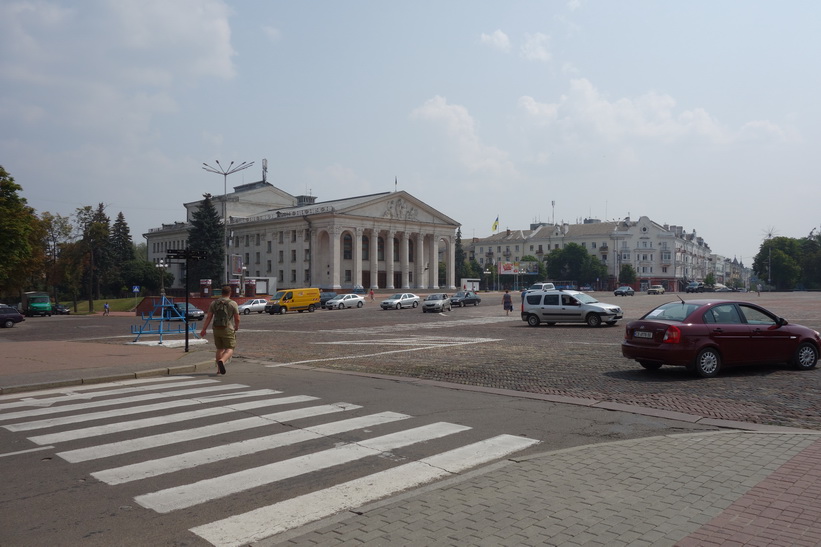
[(403, 259), (433, 262), (389, 259), (357, 257), (335, 255), (419, 270), (374, 258), (450, 261)]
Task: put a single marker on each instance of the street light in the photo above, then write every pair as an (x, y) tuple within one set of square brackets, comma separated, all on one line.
[(230, 170), (162, 265)]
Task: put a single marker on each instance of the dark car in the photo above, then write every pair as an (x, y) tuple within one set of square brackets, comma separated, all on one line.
[(324, 296), (9, 316), (694, 286), (624, 290), (706, 335), (464, 298), (59, 309), (193, 314)]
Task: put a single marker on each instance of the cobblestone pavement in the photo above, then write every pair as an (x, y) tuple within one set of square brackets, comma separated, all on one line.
[(483, 347)]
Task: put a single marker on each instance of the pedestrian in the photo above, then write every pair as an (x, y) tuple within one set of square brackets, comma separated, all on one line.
[(371, 295), (106, 309), (758, 289), (507, 302), (225, 314)]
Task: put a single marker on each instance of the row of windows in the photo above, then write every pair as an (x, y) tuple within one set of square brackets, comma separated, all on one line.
[(162, 246)]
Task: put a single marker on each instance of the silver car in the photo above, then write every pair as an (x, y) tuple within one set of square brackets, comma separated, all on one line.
[(256, 304), (437, 302), (401, 300)]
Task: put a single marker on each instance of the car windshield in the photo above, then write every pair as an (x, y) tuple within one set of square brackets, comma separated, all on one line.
[(434, 297), (672, 311), (585, 298), (278, 295), (395, 297), (338, 297)]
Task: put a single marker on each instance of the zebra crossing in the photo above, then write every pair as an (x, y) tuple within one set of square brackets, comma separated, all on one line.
[(138, 418)]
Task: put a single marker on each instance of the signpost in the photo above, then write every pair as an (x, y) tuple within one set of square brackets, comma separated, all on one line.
[(187, 255)]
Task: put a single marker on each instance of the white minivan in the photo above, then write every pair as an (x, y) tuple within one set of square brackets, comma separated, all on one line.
[(542, 287)]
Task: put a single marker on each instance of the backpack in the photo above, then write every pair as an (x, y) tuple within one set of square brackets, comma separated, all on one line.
[(222, 313)]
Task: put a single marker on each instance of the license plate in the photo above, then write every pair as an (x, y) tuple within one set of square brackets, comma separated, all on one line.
[(642, 334)]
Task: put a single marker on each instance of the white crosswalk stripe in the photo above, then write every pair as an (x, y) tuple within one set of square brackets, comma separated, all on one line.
[(117, 408)]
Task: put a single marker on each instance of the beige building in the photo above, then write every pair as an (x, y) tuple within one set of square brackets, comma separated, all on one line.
[(389, 240), (660, 254)]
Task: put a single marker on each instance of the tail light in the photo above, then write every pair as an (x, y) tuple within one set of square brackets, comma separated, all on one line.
[(672, 335)]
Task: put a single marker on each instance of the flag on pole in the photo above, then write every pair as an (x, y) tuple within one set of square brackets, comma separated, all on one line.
[(495, 224)]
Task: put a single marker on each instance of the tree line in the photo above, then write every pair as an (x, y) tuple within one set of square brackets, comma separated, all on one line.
[(86, 255)]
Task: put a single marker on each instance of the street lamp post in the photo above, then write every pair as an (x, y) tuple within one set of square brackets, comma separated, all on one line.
[(162, 265), (230, 170)]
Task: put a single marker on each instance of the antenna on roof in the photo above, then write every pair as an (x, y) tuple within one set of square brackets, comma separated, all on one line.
[(395, 184), (264, 170)]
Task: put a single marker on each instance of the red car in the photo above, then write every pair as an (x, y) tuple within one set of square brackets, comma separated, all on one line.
[(706, 335)]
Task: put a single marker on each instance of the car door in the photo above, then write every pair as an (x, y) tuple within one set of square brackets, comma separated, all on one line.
[(570, 309), (550, 308), (727, 329), (769, 342)]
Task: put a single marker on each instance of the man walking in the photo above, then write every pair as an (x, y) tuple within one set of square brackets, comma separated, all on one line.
[(225, 314)]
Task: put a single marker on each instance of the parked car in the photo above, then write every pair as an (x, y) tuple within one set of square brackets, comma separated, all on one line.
[(694, 286), (624, 290), (342, 301), (706, 335), (655, 289), (298, 300), (193, 313), (559, 306), (256, 304), (464, 298), (59, 309), (10, 316), (436, 302), (541, 287), (399, 301), (324, 296)]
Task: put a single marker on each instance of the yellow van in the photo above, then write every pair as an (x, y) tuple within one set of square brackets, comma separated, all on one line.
[(293, 300)]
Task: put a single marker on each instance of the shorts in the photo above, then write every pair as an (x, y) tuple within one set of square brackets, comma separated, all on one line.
[(225, 338)]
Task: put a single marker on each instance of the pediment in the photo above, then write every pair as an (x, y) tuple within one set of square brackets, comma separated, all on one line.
[(399, 207)]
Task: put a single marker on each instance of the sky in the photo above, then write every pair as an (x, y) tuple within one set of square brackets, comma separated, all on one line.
[(700, 114)]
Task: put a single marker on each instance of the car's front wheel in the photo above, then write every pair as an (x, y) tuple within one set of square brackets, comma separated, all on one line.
[(708, 363), (282, 310), (806, 356), (593, 320), (8, 323), (246, 311), (311, 308), (341, 306), (533, 320), (360, 304), (416, 304)]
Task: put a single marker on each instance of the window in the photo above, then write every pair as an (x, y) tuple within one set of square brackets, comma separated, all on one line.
[(268, 266), (256, 257), (307, 256), (395, 250), (281, 237), (269, 246), (410, 250), (247, 239), (380, 248), (551, 300), (348, 276), (293, 255), (593, 245), (247, 260), (281, 275), (293, 236), (366, 248), (281, 256), (584, 244), (257, 240), (293, 276), (307, 278), (347, 247)]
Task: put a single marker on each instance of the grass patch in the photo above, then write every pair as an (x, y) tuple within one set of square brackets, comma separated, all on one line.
[(115, 304)]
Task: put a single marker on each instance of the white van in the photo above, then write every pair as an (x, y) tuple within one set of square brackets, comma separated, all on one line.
[(542, 287)]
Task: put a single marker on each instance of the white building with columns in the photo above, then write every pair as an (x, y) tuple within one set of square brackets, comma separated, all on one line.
[(389, 240)]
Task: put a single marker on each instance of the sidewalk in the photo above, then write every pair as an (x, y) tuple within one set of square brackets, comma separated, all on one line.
[(743, 485)]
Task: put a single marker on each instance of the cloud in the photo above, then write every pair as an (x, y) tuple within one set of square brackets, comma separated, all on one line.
[(534, 47), (272, 33), (497, 40), (652, 116), (460, 129)]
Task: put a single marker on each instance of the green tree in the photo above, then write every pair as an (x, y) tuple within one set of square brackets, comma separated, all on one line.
[(574, 263), (57, 231), (710, 279), (460, 258), (778, 263), (94, 225), (121, 253), (19, 232), (627, 274), (206, 234)]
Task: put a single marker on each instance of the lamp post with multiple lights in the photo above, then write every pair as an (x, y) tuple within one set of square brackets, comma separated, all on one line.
[(162, 265), (225, 171)]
